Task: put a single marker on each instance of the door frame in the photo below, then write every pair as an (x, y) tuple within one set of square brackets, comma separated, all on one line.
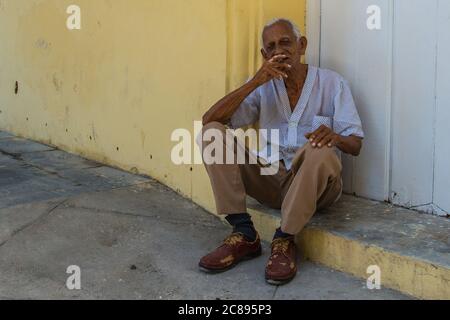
[(313, 56), (313, 26)]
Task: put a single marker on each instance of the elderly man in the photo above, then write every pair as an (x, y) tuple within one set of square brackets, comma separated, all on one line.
[(316, 116)]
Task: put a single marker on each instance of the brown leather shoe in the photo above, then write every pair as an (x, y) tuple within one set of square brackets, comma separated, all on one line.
[(282, 265), (233, 250)]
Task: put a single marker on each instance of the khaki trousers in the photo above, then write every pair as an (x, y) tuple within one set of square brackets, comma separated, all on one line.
[(313, 183)]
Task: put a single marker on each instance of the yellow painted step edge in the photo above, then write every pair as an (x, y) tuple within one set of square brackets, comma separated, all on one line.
[(415, 277)]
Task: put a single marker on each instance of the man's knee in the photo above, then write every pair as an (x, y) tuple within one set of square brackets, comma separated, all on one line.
[(317, 152), (214, 125), (209, 129), (320, 155)]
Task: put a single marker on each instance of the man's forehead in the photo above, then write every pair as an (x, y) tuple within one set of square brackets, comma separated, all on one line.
[(279, 29)]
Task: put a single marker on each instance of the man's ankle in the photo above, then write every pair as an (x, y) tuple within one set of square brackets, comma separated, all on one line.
[(242, 223), (280, 234)]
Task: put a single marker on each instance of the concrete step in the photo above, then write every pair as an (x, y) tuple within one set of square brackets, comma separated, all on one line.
[(411, 249)]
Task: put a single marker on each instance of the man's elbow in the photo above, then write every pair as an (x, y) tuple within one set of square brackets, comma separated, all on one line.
[(358, 148), (206, 119)]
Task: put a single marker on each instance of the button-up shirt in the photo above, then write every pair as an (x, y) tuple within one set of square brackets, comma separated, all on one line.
[(325, 99)]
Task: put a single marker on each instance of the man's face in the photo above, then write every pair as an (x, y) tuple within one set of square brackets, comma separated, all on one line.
[(280, 39)]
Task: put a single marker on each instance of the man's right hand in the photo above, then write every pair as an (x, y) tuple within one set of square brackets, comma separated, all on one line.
[(223, 109), (272, 68)]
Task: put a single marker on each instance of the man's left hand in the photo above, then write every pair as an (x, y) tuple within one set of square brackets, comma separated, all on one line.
[(323, 136)]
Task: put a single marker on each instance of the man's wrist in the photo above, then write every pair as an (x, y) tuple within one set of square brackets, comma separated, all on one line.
[(339, 140), (254, 83)]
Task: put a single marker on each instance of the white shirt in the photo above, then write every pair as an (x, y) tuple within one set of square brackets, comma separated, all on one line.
[(325, 99)]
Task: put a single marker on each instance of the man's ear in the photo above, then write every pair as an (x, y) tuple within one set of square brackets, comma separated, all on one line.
[(263, 53), (302, 44)]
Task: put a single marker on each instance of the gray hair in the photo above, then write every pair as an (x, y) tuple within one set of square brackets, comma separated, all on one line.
[(294, 27)]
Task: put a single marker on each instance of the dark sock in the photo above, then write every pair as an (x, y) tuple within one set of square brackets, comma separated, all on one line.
[(280, 234), (242, 223)]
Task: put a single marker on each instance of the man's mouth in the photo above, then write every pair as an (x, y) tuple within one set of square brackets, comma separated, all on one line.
[(283, 60)]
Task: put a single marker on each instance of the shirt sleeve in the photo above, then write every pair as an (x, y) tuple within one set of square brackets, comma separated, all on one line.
[(346, 120), (248, 111)]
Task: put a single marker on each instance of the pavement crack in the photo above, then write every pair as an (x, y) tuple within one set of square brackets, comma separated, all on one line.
[(50, 172), (92, 167), (275, 292), (30, 224), (16, 156), (110, 211), (137, 215)]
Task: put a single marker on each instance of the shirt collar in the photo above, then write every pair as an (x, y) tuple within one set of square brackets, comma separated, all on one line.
[(280, 89)]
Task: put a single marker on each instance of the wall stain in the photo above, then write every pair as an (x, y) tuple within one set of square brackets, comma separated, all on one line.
[(57, 83), (94, 134), (142, 138), (42, 44)]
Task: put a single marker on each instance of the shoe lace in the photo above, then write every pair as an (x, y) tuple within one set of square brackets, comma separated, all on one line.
[(233, 239), (280, 245)]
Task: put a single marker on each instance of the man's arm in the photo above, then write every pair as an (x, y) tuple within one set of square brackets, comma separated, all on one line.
[(325, 137), (223, 110), (225, 107), (347, 124), (351, 145)]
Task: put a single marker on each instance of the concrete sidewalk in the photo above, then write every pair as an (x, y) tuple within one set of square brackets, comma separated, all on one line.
[(132, 237)]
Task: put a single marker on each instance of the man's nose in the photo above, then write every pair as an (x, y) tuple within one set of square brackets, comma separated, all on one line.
[(277, 51)]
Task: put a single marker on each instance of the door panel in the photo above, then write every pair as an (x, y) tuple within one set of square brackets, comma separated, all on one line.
[(400, 78), (362, 57), (414, 64), (442, 148)]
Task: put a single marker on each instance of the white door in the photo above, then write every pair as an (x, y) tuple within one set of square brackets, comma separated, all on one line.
[(400, 77), (441, 196), (413, 102)]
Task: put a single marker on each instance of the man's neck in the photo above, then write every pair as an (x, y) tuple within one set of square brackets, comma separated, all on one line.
[(297, 76)]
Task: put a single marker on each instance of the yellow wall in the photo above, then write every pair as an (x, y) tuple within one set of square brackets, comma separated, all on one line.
[(116, 89)]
